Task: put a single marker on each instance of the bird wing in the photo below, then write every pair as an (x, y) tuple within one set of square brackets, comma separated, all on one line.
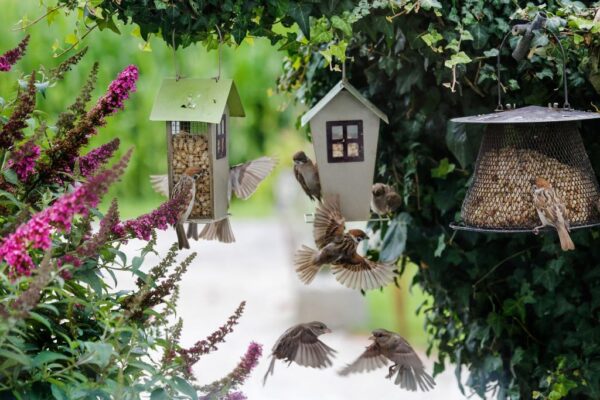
[(245, 178), (302, 183), (160, 184), (369, 360), (329, 223), (551, 206), (362, 274), (300, 345), (393, 199)]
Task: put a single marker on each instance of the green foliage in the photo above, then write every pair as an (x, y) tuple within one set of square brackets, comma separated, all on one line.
[(514, 309)]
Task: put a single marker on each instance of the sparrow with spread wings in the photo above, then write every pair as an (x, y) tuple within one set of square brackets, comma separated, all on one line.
[(243, 181), (337, 248), (389, 346), (300, 344)]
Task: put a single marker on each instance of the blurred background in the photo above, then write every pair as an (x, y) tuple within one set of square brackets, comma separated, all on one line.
[(268, 227)]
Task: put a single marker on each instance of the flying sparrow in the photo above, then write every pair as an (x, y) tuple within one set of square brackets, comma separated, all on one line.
[(243, 181), (393, 347), (384, 199), (338, 249), (307, 174), (301, 344), (552, 211), (186, 184)]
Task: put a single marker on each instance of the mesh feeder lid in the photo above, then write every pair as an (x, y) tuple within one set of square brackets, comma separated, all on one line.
[(519, 145), (529, 115)]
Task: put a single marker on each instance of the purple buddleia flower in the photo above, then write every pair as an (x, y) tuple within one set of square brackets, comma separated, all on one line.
[(23, 160), (8, 59), (89, 163)]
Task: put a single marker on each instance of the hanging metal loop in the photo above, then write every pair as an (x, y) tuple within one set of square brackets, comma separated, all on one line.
[(176, 65), (219, 54), (537, 24)]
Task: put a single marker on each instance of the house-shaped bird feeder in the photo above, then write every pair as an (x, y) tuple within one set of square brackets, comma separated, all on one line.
[(345, 131), (196, 113), (522, 144)]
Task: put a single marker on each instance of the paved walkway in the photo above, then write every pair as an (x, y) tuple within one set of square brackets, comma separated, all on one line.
[(258, 269)]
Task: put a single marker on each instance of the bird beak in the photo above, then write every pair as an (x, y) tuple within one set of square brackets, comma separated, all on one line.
[(327, 330), (372, 337)]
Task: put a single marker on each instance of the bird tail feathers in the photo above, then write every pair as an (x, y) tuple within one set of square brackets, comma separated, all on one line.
[(565, 239), (192, 231), (304, 262), (270, 370), (218, 230), (181, 237)]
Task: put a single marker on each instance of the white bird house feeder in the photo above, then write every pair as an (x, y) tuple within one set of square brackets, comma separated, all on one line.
[(196, 114), (345, 131)]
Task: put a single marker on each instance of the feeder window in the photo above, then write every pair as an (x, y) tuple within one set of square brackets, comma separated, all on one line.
[(345, 141), (222, 138)]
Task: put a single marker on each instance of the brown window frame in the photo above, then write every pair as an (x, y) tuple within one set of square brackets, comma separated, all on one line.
[(345, 141), (221, 138)]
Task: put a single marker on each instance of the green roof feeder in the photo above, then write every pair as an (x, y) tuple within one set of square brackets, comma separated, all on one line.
[(196, 113)]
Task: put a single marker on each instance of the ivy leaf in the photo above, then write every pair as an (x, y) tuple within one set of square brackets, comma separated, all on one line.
[(443, 169), (441, 246), (342, 25), (480, 36), (394, 241), (429, 4), (300, 12), (458, 58)]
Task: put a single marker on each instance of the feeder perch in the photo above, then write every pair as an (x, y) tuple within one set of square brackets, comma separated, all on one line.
[(521, 144), (196, 113), (345, 131)]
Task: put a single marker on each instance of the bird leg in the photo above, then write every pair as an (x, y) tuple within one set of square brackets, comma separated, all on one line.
[(536, 230), (391, 371)]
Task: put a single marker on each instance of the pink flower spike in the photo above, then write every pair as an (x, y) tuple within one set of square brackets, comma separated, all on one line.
[(8, 59)]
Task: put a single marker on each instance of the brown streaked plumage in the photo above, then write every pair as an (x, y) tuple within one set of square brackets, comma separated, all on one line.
[(244, 179), (389, 346), (187, 184), (301, 344), (384, 199), (339, 249), (552, 211), (307, 175)]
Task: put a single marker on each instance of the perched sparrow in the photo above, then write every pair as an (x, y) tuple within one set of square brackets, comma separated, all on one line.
[(338, 248), (552, 211), (301, 344), (384, 199), (391, 346), (243, 181), (186, 184), (307, 174)]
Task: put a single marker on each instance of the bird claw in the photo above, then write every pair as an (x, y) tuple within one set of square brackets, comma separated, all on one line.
[(391, 371), (536, 230)]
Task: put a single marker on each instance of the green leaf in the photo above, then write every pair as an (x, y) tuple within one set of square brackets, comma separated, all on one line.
[(441, 246), (443, 169), (39, 318), (97, 353), (10, 176), (45, 357), (17, 357), (394, 241), (159, 394), (480, 36), (58, 393), (342, 25), (458, 58), (300, 12), (184, 387), (429, 4)]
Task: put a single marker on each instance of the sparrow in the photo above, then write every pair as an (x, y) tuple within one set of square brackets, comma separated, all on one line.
[(393, 347), (301, 344), (384, 199), (185, 184), (552, 211), (243, 181), (307, 174), (337, 248)]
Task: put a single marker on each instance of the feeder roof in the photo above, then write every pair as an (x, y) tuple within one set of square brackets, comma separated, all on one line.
[(529, 115), (341, 85), (199, 100)]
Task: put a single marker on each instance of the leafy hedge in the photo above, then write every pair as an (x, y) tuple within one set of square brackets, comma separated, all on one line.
[(521, 315)]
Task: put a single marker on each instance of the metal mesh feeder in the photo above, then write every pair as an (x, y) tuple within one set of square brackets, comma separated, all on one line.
[(521, 145)]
